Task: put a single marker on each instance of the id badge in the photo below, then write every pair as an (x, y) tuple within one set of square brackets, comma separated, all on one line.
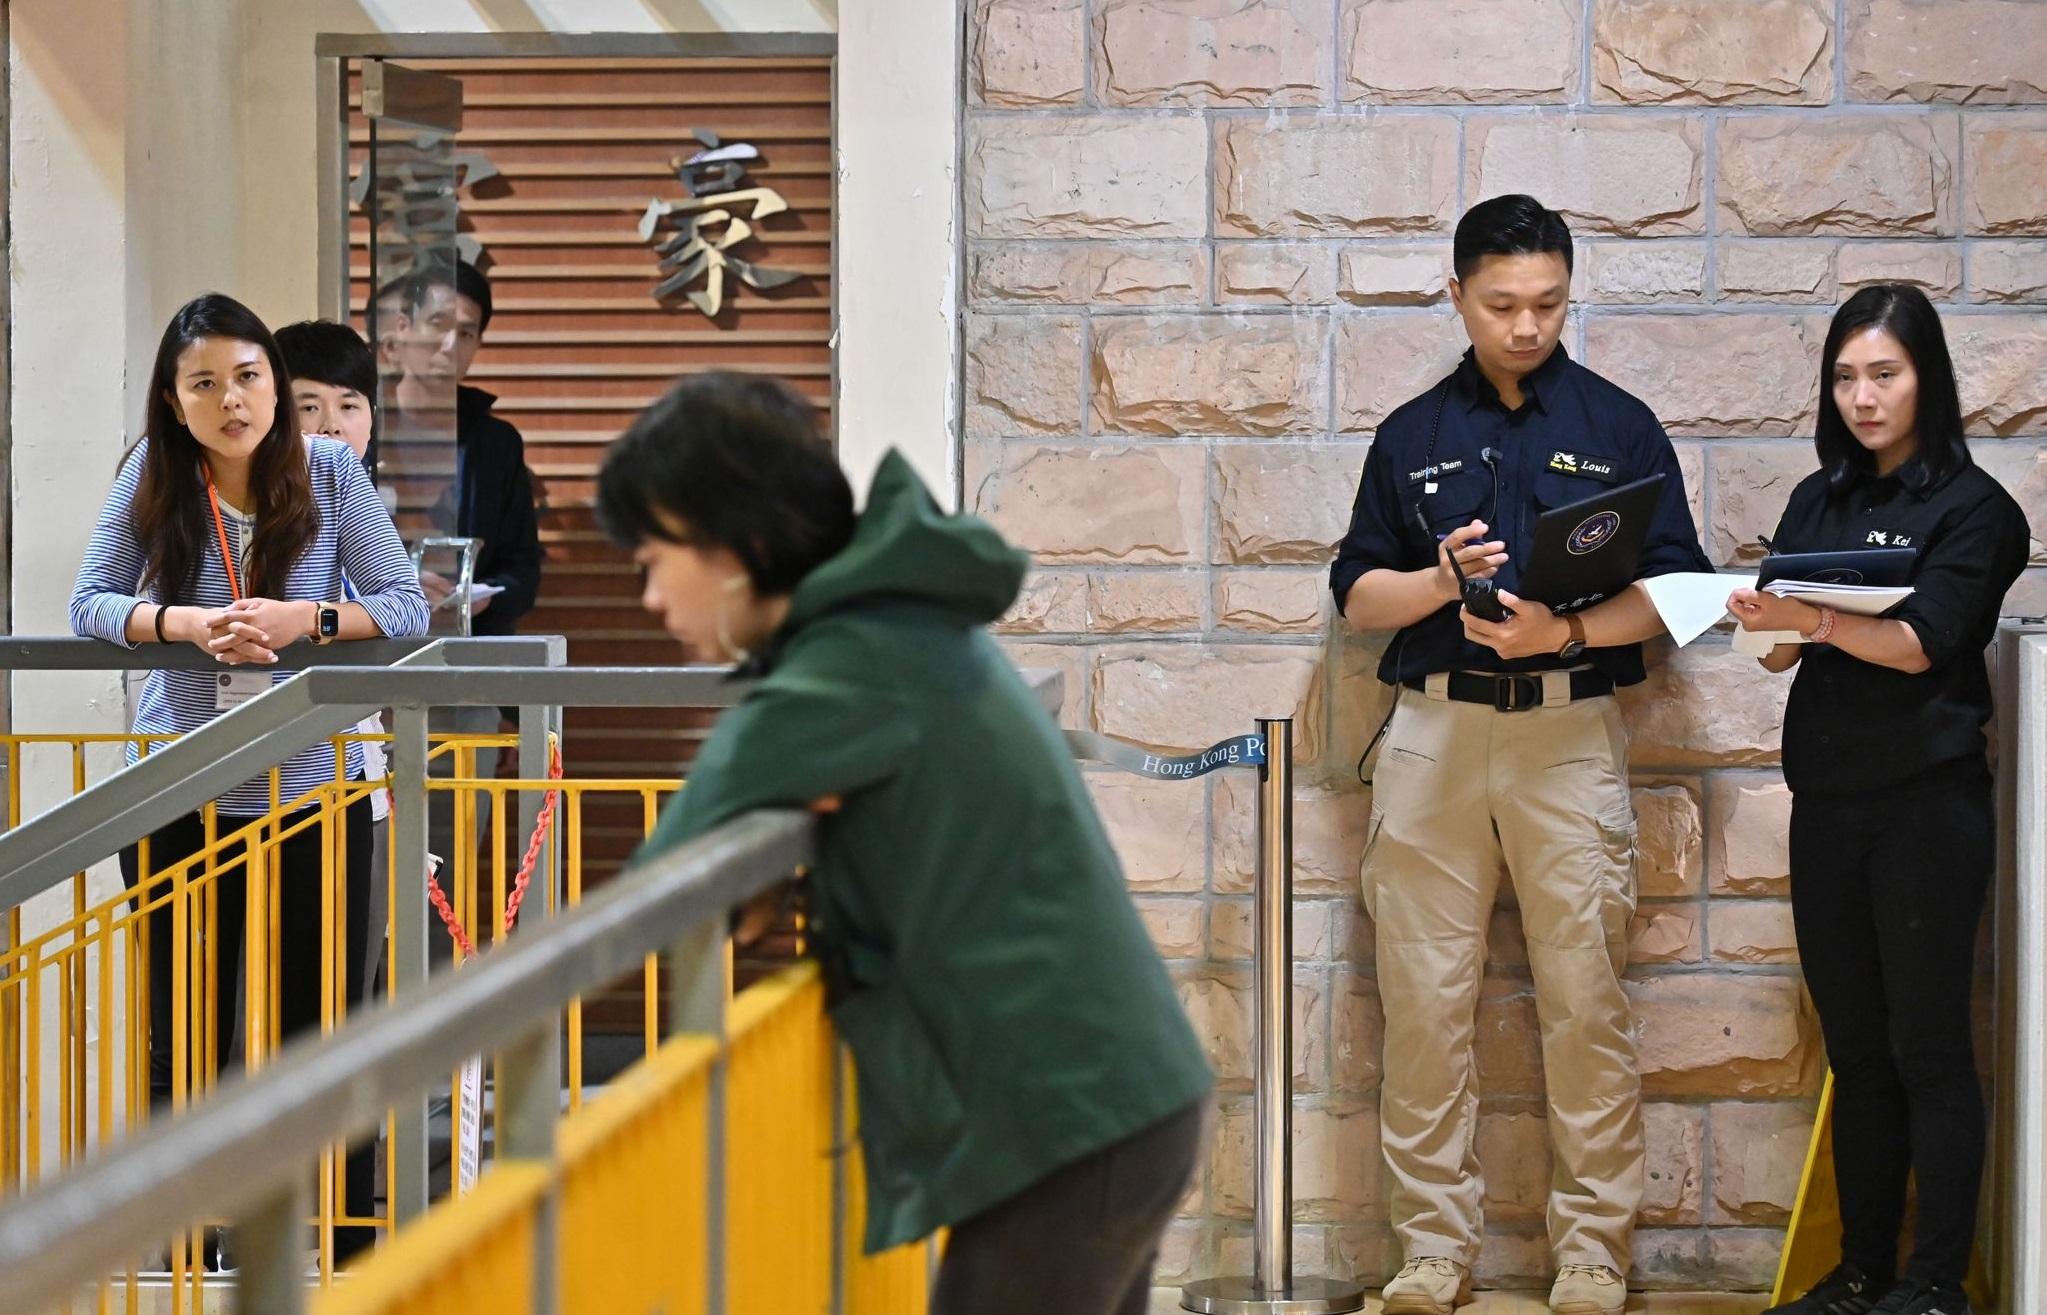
[(233, 688)]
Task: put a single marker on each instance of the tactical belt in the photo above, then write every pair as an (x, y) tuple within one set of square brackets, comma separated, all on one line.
[(1515, 691)]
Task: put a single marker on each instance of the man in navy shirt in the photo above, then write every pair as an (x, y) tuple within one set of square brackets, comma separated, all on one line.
[(1505, 751)]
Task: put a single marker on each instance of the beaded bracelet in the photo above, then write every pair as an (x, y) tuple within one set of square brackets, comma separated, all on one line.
[(1822, 631)]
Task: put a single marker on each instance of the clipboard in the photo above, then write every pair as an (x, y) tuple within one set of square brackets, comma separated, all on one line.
[(1588, 550)]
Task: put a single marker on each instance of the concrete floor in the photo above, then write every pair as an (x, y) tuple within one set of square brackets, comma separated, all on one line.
[(1166, 1301)]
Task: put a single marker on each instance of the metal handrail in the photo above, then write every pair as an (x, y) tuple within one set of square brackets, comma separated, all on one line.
[(74, 653), (227, 1156), (315, 704), (223, 1156)]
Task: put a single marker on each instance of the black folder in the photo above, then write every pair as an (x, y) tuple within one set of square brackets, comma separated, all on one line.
[(1588, 550), (1878, 567)]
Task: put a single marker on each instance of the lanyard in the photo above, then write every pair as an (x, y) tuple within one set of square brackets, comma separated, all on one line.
[(227, 557)]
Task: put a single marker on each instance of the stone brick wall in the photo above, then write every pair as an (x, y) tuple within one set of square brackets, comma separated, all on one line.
[(1207, 245)]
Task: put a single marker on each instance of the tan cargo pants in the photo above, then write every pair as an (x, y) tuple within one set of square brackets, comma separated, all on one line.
[(1462, 790)]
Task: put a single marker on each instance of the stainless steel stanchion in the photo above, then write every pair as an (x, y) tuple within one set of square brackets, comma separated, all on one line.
[(1272, 1288)]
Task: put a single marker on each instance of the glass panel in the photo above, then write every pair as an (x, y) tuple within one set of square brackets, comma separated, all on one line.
[(408, 193)]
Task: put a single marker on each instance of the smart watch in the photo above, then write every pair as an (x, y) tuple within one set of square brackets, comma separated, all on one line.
[(1574, 647), (326, 623)]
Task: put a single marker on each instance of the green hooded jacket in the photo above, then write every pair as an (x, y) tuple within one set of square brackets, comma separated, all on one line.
[(1006, 1011)]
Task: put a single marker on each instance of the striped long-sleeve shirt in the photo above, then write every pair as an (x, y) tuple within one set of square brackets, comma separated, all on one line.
[(357, 542)]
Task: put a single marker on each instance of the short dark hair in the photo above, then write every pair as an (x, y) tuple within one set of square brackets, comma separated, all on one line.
[(329, 353), (466, 280), (1903, 312), (739, 461), (1511, 225)]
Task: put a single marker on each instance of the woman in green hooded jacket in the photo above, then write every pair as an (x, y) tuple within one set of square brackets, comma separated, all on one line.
[(1026, 1075)]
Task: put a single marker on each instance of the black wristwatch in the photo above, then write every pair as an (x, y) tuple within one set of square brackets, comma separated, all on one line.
[(1574, 647), (326, 623)]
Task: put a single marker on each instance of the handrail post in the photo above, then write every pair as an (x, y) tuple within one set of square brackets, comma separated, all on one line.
[(270, 1251), (407, 1177), (699, 980), (1272, 1287), (529, 1108), (1272, 1244)]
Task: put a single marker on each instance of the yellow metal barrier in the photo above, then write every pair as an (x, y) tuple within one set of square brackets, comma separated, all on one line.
[(778, 1146), (634, 1168), (459, 1261), (74, 1059), (633, 1236)]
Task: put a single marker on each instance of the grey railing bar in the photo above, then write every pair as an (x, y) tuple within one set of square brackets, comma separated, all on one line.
[(248, 1141), (70, 653), (562, 687), (190, 771), (175, 779), (565, 687)]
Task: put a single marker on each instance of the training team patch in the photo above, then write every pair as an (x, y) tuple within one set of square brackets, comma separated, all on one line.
[(1436, 471), (1593, 532), (1570, 463)]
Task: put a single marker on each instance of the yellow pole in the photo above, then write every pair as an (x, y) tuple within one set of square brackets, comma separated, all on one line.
[(575, 808)]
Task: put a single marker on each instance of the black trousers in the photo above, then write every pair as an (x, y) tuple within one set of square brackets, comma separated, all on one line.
[(1887, 890), (298, 948), (1083, 1239)]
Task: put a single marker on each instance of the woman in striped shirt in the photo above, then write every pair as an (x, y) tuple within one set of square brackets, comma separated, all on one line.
[(228, 531)]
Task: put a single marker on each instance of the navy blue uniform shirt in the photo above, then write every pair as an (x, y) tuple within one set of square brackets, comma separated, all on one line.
[(1574, 435), (1853, 726)]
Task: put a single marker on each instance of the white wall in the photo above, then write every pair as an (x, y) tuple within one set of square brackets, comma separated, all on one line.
[(68, 284)]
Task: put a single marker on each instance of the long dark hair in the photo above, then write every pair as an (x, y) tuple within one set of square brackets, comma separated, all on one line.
[(170, 511), (1905, 314)]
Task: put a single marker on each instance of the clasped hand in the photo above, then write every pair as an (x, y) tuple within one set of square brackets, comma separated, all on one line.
[(251, 630)]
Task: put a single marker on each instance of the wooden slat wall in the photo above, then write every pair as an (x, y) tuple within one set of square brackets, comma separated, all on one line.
[(577, 345)]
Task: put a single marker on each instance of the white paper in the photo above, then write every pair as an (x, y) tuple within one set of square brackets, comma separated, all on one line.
[(1860, 599), (1693, 602), (1758, 643), (477, 593), (469, 1105), (1854, 599)]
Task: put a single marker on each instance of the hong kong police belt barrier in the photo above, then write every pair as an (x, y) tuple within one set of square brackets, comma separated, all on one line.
[(1272, 1286)]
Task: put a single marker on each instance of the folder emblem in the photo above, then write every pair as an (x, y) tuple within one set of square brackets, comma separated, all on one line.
[(1593, 532)]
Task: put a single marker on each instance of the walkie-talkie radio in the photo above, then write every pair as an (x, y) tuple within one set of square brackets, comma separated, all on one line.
[(1481, 597)]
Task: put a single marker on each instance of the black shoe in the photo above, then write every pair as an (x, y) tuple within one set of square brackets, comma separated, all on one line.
[(1846, 1291), (1917, 1297)]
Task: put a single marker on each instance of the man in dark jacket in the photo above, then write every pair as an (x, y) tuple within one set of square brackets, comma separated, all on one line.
[(447, 312), (1026, 1075)]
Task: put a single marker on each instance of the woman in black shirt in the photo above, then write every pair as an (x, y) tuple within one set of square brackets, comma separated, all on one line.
[(1892, 830)]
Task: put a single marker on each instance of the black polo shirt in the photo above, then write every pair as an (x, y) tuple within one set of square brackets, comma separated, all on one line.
[(1574, 435), (1853, 726)]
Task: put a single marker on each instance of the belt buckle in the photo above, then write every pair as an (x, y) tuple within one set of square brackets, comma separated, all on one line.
[(1507, 687)]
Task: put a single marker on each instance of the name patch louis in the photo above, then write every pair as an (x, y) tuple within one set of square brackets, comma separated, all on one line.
[(1571, 463), (1436, 471)]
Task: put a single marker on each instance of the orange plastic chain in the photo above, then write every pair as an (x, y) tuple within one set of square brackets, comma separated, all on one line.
[(513, 902)]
